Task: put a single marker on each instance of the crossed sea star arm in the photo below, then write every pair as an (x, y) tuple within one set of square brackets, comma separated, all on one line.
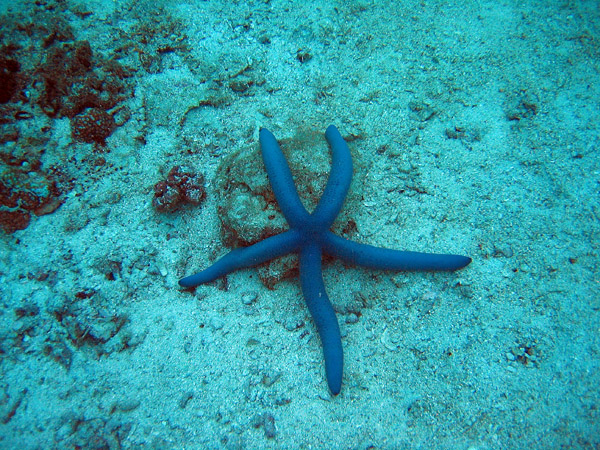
[(281, 180), (323, 314), (258, 253), (340, 176), (387, 259), (283, 186)]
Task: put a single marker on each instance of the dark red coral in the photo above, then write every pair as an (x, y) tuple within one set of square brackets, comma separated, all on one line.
[(74, 80), (9, 84), (22, 194), (182, 186), (11, 221), (92, 125)]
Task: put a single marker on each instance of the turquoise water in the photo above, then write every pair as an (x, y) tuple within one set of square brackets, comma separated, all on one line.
[(129, 158)]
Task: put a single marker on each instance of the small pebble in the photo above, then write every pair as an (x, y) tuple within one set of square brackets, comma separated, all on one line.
[(256, 421), (216, 323), (162, 269), (351, 318), (185, 398), (503, 249), (267, 422), (126, 405), (248, 298), (292, 324), (269, 426), (270, 378)]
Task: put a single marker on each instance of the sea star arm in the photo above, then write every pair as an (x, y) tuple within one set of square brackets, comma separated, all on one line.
[(281, 180), (313, 288), (239, 258), (387, 259), (339, 180)]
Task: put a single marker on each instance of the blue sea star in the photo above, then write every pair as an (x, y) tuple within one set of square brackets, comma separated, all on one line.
[(309, 236)]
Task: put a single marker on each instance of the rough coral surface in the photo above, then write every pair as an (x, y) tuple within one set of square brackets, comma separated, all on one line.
[(182, 186), (74, 80), (77, 85), (8, 79), (23, 193), (93, 125)]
